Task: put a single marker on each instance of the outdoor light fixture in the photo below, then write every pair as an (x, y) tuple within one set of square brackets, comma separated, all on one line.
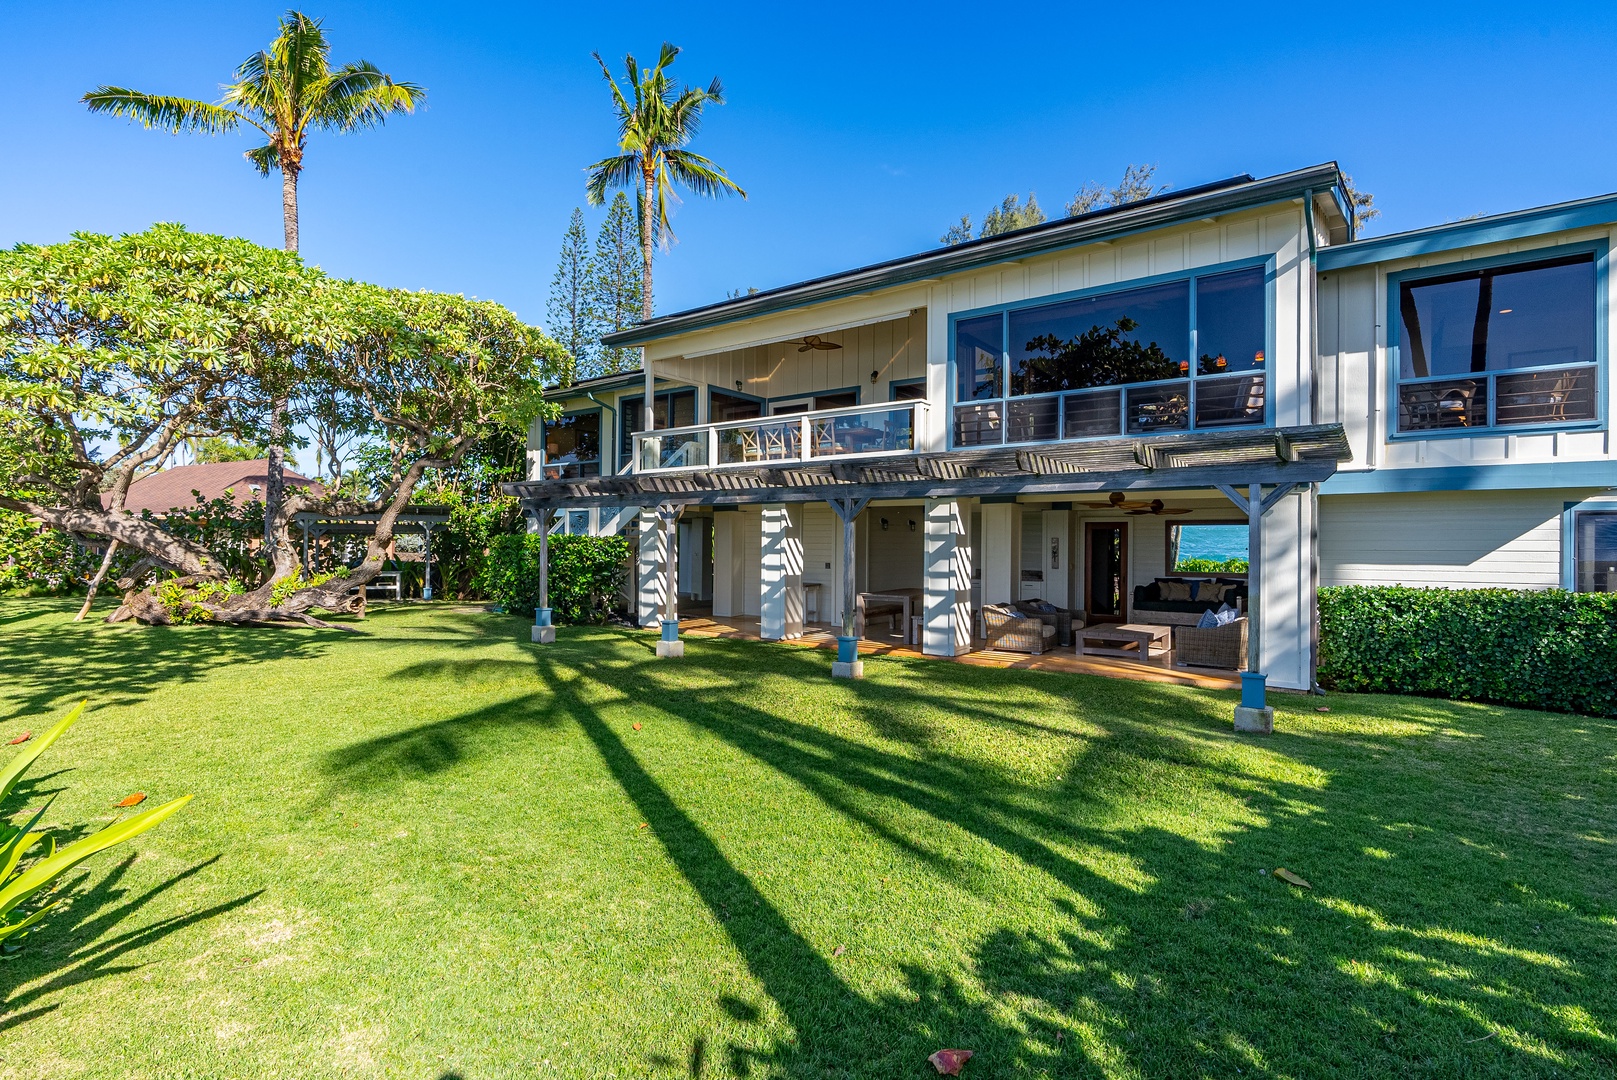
[(883, 524), (912, 524), (874, 375), (739, 384)]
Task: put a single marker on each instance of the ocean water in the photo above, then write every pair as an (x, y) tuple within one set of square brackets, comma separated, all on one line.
[(1212, 542)]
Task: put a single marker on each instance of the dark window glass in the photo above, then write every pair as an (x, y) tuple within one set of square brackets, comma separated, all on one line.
[(1141, 335), (1236, 400), (1164, 407), (978, 347), (1546, 397), (1498, 319), (573, 446), (914, 391), (1431, 406), (675, 408), (836, 401), (979, 425), (1038, 420), (1230, 322), (722, 407), (1595, 551), (1093, 415)]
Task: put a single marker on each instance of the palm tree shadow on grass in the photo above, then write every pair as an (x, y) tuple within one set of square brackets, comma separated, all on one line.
[(1123, 976), (72, 947)]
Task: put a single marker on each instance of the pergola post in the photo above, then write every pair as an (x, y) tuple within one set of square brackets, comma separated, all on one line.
[(1254, 713), (306, 570), (426, 576), (544, 630), (670, 645), (847, 664)]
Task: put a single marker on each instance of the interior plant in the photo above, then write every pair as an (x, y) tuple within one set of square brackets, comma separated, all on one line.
[(22, 876)]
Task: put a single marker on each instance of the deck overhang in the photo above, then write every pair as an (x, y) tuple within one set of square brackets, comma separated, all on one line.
[(1271, 456)]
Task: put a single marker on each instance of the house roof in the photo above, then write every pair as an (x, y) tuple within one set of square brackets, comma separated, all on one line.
[(173, 487), (1224, 196)]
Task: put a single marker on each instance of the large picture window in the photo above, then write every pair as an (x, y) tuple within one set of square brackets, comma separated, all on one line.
[(1594, 547), (1167, 357), (573, 446), (1502, 346)]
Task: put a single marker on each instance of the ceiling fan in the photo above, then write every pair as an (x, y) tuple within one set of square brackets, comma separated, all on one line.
[(1118, 501), (814, 341)]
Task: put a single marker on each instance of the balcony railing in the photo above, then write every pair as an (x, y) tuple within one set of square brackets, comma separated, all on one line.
[(856, 431)]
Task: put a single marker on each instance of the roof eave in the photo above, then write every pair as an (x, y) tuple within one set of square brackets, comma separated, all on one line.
[(1019, 245)]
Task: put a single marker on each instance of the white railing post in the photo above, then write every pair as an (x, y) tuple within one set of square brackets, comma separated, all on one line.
[(712, 446), (804, 449)]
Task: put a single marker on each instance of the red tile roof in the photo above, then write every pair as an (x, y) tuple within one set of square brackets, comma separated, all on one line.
[(171, 488)]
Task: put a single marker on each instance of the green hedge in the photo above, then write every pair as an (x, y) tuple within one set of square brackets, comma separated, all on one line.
[(586, 575), (1549, 649)]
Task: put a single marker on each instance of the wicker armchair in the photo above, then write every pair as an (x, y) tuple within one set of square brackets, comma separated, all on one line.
[(1215, 647), (1060, 618), (1007, 628)]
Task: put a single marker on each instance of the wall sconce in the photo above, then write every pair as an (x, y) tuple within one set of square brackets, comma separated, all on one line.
[(883, 524), (912, 524), (874, 375), (739, 384)]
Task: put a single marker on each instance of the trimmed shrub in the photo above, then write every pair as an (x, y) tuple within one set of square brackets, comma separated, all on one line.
[(1548, 649), (586, 575)]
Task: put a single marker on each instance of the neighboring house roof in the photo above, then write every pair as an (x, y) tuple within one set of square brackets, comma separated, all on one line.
[(1224, 196), (172, 488)]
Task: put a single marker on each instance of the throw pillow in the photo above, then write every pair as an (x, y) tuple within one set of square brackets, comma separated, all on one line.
[(1207, 621), (1211, 592), (1173, 590), (1226, 615)]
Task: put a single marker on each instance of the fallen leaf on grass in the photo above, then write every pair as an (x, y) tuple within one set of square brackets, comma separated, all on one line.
[(1290, 878), (645, 824), (24, 737), (949, 1062), (131, 800), (636, 726), (1322, 708), (838, 951)]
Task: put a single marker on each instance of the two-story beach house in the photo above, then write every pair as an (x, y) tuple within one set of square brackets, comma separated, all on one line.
[(1062, 412)]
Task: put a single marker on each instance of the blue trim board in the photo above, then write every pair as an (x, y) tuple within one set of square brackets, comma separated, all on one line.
[(1504, 477), (1517, 225), (1600, 249), (856, 391)]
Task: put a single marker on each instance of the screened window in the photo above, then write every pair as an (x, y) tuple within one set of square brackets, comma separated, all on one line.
[(674, 408), (1169, 357), (1594, 545), (573, 446), (1501, 346)]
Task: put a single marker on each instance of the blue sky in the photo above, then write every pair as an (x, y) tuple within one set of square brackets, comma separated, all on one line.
[(860, 133)]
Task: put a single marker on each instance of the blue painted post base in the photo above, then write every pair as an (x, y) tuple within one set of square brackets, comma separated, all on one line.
[(1253, 714), (543, 632), (670, 645), (847, 664)]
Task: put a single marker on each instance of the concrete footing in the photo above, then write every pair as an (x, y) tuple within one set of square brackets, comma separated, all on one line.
[(667, 649), (854, 669), (1257, 721), (544, 635)]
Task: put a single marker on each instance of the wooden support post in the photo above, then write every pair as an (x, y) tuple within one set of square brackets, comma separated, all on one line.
[(1254, 713), (670, 645), (544, 627), (847, 664), (426, 576)]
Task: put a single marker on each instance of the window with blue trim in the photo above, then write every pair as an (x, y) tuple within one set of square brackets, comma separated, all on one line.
[(573, 446), (1502, 346), (1167, 357)]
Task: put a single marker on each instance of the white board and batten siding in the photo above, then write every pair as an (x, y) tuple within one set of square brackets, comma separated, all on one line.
[(1444, 539)]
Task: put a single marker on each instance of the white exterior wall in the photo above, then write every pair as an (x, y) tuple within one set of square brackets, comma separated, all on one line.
[(1444, 539)]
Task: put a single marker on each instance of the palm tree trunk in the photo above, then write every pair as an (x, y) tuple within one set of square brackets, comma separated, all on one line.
[(275, 470), (647, 217)]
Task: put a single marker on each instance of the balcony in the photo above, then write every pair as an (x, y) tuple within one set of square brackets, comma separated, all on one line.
[(861, 431)]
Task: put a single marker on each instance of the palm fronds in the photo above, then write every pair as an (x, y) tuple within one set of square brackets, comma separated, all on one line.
[(165, 113)]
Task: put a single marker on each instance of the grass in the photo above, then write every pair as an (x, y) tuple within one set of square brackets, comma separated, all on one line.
[(437, 851)]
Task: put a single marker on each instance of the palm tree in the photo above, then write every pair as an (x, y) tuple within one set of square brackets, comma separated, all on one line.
[(653, 130), (284, 91)]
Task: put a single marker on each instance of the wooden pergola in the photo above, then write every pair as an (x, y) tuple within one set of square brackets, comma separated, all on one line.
[(423, 519), (1253, 468)]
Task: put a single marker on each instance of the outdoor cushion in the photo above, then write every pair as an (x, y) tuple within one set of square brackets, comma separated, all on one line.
[(1173, 590), (1210, 591), (1208, 620)]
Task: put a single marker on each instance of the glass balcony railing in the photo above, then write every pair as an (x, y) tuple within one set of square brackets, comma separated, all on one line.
[(858, 431)]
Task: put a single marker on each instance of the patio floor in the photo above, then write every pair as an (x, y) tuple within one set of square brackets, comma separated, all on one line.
[(824, 636)]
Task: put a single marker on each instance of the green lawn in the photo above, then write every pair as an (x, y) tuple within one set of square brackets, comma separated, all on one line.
[(435, 850)]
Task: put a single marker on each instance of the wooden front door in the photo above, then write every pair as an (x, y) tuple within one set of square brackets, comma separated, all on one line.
[(1106, 577)]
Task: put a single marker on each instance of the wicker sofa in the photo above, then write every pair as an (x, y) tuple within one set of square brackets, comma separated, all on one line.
[(1149, 606), (1050, 615), (1222, 647), (1015, 631)]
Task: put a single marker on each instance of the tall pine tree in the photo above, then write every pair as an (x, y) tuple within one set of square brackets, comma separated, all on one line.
[(616, 285), (573, 320)]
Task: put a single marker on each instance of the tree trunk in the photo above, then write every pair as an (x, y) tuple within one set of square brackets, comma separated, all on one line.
[(289, 206), (647, 219), (275, 481), (95, 582), (142, 534)]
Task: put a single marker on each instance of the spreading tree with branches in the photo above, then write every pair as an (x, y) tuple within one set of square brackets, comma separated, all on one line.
[(115, 351)]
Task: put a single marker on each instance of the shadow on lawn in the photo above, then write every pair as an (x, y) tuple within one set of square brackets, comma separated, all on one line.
[(1160, 953)]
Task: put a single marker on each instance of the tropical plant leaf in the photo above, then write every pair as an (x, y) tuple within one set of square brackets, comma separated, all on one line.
[(19, 764), (46, 870), (18, 927)]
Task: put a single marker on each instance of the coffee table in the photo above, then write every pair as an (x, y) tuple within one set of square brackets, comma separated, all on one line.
[(1130, 640)]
